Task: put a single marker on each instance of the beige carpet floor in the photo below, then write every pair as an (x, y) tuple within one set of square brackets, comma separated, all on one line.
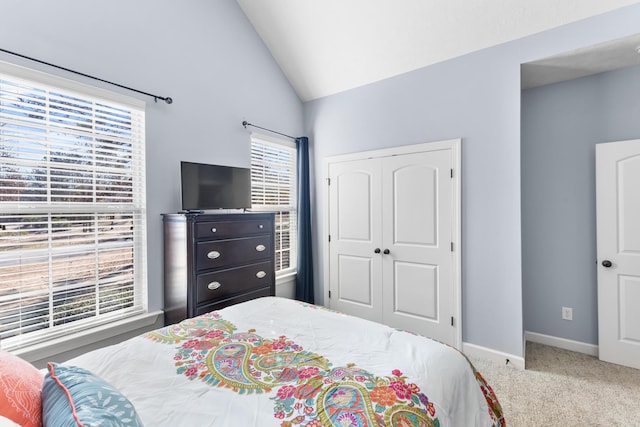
[(563, 388)]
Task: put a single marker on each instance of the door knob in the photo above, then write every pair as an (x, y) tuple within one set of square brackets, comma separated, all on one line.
[(386, 252), (606, 263), (376, 250)]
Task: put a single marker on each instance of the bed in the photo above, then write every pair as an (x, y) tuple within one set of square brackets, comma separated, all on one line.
[(279, 362)]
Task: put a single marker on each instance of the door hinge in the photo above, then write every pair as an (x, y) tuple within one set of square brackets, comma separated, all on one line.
[(451, 246), (451, 173), (328, 181), (451, 320), (329, 237), (329, 294)]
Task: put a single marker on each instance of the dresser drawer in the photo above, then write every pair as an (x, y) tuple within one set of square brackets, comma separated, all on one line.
[(226, 229), (220, 304), (223, 283), (226, 253)]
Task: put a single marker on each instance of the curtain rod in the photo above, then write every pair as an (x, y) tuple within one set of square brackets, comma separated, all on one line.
[(246, 123), (166, 99)]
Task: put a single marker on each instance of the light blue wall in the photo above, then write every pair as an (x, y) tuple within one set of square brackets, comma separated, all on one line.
[(561, 123), (475, 97), (204, 54)]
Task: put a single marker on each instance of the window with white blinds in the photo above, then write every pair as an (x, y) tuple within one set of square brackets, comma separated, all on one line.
[(273, 189), (72, 207)]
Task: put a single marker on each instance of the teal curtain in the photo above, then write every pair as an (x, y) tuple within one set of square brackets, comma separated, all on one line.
[(304, 275)]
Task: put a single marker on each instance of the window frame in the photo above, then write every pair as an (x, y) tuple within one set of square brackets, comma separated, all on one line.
[(136, 207)]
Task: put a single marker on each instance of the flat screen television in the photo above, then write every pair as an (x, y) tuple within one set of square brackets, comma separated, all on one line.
[(214, 187)]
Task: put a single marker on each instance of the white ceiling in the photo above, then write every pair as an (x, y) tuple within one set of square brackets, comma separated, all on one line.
[(329, 46)]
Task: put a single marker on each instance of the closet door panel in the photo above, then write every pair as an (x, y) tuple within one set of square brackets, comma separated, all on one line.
[(355, 221), (354, 191), (355, 282), (417, 272), (416, 290), (415, 220)]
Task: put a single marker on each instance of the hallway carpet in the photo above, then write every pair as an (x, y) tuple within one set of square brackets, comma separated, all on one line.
[(564, 388)]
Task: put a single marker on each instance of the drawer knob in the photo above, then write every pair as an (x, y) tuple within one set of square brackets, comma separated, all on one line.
[(261, 226), (260, 274), (260, 248), (213, 230), (214, 285), (213, 254)]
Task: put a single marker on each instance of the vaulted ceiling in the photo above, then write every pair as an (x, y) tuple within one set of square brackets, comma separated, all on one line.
[(329, 46)]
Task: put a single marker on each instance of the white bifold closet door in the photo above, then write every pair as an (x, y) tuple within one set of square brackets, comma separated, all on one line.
[(393, 246)]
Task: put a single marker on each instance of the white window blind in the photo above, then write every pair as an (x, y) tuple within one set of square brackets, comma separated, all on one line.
[(72, 207), (273, 188)]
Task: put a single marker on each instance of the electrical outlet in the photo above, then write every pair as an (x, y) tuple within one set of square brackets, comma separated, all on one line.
[(567, 313)]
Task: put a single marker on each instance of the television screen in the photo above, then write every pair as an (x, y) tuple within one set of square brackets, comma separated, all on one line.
[(214, 186)]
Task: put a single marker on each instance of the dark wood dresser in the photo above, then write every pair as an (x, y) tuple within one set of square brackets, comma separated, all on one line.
[(212, 261)]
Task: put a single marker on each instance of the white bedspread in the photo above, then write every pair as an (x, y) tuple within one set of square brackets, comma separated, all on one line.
[(279, 362)]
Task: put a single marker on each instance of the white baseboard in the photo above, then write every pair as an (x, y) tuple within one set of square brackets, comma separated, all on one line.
[(577, 346), (480, 352)]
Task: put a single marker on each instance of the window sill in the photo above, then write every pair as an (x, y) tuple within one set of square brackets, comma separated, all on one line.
[(60, 349), (291, 275)]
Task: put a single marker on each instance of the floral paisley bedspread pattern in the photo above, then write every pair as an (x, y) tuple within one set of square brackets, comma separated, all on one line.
[(307, 390), (278, 362)]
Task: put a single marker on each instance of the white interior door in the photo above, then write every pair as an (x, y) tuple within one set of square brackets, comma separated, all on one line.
[(355, 281), (618, 230), (417, 195)]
